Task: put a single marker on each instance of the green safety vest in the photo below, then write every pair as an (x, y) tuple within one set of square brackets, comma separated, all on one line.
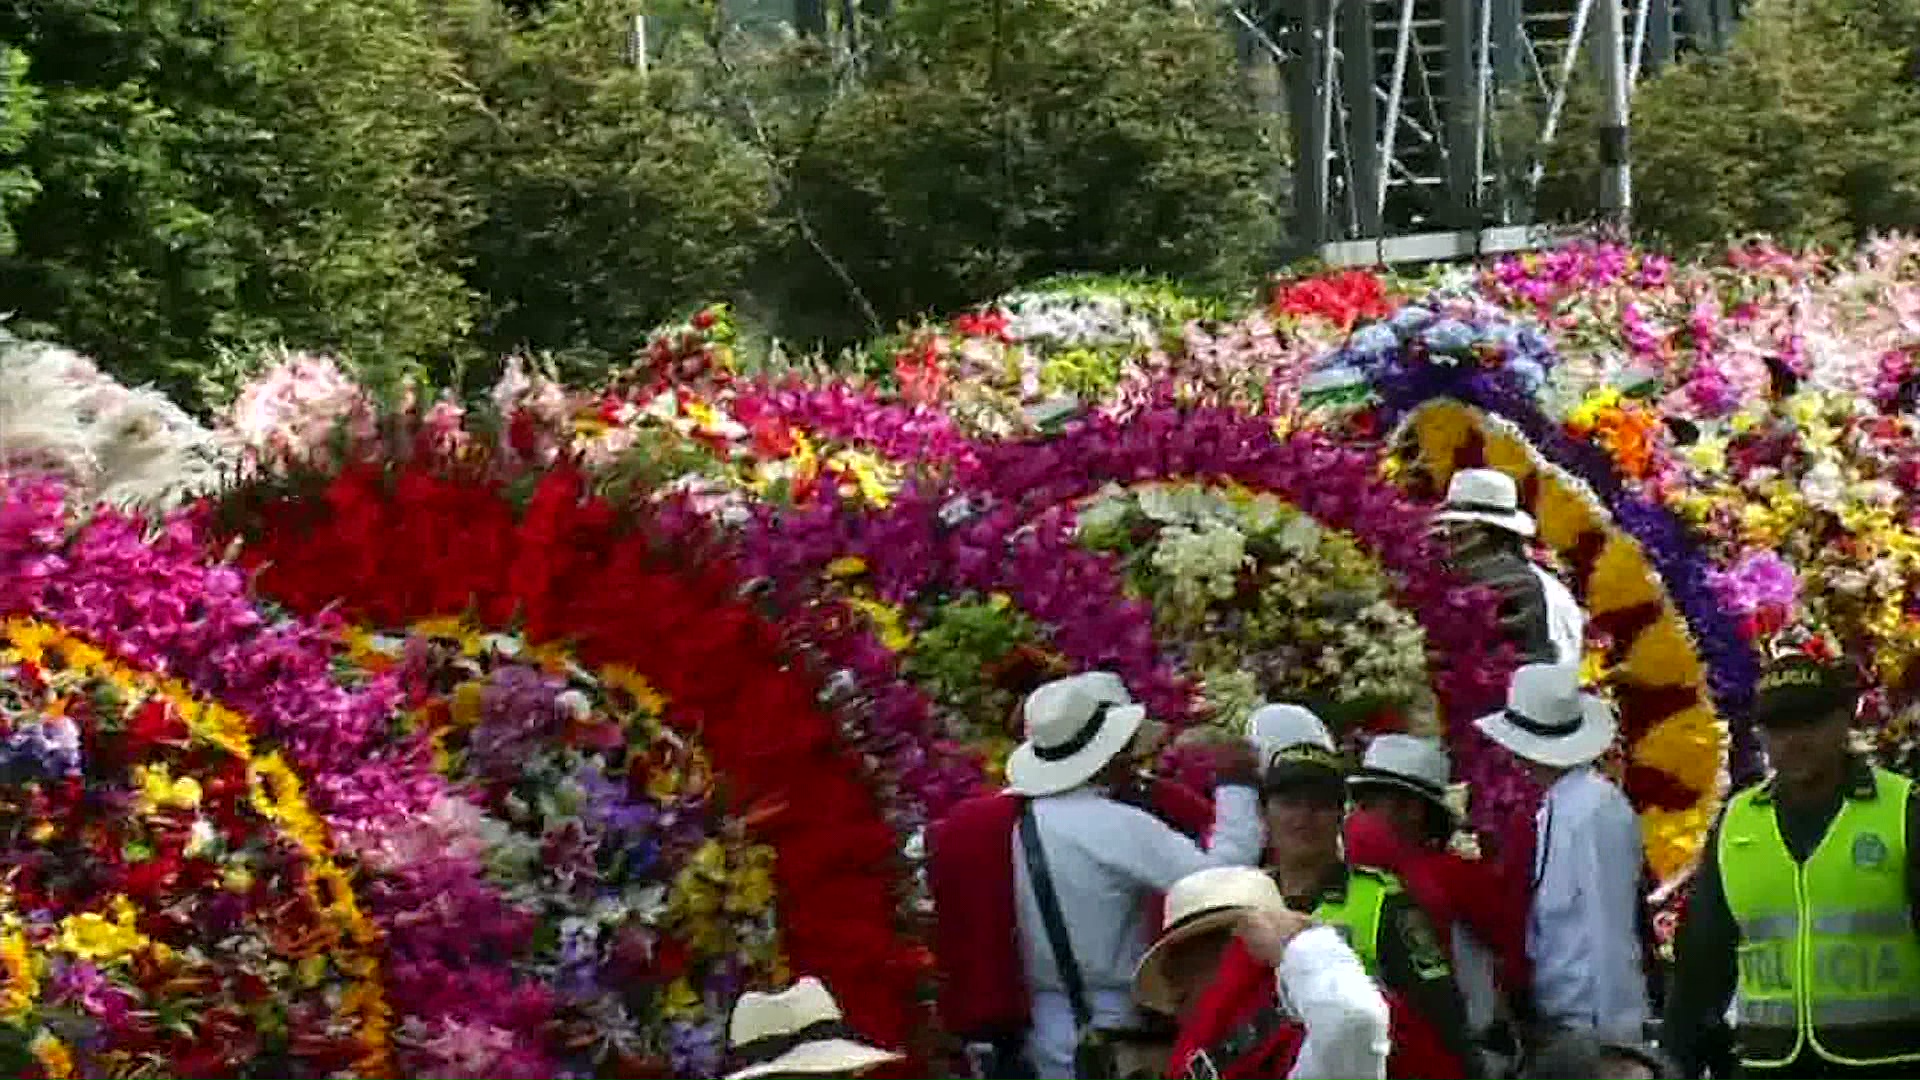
[(1828, 956), (1356, 911)]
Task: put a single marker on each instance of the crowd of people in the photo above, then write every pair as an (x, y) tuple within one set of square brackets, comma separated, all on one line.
[(1320, 918)]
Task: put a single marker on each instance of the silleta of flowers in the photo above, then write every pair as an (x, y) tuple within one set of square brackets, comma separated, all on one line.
[(561, 715), (169, 895)]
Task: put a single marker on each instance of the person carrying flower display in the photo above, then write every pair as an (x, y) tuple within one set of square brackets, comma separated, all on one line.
[(1260, 990), (1802, 913), (1587, 919), (1085, 864), (1304, 788), (799, 1031), (1402, 824), (1486, 534)]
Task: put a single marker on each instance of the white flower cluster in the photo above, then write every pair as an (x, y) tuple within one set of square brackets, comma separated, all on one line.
[(60, 415), (1203, 562), (1069, 321)]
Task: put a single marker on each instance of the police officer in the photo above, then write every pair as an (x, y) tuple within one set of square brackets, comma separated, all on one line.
[(1802, 910), (1305, 794)]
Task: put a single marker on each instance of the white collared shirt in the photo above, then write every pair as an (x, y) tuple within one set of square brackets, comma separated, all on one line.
[(1324, 985), (1106, 858), (1583, 932), (1566, 623)]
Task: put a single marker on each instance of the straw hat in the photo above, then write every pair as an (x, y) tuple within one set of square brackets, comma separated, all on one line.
[(1408, 763), (1549, 720), (1203, 901), (798, 1030), (1488, 496), (1075, 726)]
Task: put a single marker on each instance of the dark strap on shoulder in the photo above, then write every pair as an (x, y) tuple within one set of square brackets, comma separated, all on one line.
[(1224, 1054), (1050, 916)]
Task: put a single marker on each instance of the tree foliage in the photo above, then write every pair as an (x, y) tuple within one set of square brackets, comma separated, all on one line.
[(1806, 128), (605, 201), (995, 141), (228, 171)]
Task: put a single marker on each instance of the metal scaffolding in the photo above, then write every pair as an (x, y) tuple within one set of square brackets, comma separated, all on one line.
[(1396, 109)]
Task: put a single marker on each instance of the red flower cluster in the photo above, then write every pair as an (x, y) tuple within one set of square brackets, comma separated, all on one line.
[(390, 550), (1342, 299)]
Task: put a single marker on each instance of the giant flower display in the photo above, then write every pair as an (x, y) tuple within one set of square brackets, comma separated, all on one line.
[(518, 735)]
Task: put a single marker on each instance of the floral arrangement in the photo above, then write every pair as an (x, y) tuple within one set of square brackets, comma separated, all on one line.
[(600, 705), (1263, 604), (636, 599), (61, 416), (171, 898), (651, 905)]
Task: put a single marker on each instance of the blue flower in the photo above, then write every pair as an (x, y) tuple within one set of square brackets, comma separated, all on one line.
[(1371, 342), (1450, 337), (1410, 318)]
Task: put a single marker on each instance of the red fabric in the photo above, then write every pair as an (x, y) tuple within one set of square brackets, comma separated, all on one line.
[(1454, 892), (983, 985), (1245, 984)]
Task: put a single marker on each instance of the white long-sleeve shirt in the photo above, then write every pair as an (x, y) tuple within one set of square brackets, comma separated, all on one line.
[(1325, 986), (1106, 858), (1566, 623), (1583, 932)]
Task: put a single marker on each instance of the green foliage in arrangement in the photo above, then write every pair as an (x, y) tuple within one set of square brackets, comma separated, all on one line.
[(230, 171), (1807, 128), (996, 141)]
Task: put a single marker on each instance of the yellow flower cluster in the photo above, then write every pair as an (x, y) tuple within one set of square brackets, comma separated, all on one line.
[(1689, 745), (275, 792)]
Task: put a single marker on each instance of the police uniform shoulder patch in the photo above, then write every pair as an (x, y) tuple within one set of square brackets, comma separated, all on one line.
[(1869, 851)]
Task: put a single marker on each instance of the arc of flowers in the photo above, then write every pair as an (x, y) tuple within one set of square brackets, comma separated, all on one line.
[(386, 551), (1680, 569), (1674, 738), (276, 793), (1013, 533), (147, 591)]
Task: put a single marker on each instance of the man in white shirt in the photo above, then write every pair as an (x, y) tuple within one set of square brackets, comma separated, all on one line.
[(1583, 931), (1487, 535), (1102, 858)]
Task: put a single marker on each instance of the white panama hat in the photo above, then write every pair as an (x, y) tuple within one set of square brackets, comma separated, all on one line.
[(1205, 900), (1549, 720), (798, 1030), (1407, 762), (1488, 496), (1075, 726)]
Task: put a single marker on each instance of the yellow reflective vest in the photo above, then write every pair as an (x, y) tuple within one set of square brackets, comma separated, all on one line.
[(1828, 957), (1356, 913)]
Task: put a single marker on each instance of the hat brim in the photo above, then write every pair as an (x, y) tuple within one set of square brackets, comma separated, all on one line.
[(1364, 778), (1800, 706), (1151, 986), (1298, 776), (1028, 774), (1519, 522), (1589, 741), (824, 1058)]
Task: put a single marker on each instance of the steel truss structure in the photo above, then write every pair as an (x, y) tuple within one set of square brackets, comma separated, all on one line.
[(1395, 108)]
